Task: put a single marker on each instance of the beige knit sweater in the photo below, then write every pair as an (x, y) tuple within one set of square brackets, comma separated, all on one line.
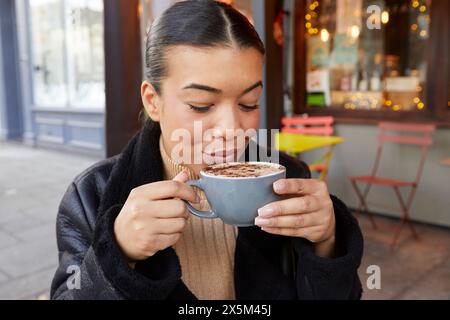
[(206, 248)]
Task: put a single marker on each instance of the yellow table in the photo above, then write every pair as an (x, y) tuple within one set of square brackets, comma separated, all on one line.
[(298, 143)]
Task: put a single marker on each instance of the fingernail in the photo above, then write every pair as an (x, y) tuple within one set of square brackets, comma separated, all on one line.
[(197, 198), (279, 185), (265, 211), (261, 221), (180, 176)]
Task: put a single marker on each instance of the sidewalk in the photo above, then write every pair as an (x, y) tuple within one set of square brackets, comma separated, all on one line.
[(32, 183)]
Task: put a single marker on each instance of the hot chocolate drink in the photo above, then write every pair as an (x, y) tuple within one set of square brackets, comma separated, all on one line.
[(243, 169)]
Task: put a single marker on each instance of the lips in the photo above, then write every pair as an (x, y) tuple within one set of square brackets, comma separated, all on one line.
[(222, 156), (223, 153)]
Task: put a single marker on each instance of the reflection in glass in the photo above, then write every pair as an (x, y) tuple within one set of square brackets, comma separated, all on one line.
[(365, 54), (68, 53), (85, 52), (47, 32)]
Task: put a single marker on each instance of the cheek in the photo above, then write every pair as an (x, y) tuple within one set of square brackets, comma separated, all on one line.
[(250, 120), (175, 114)]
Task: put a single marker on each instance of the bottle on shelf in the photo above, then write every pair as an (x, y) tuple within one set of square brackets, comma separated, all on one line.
[(375, 81), (364, 82), (355, 79)]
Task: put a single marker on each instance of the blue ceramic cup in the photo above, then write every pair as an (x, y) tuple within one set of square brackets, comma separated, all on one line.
[(236, 200)]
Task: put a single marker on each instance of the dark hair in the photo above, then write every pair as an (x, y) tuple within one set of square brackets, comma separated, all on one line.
[(199, 23)]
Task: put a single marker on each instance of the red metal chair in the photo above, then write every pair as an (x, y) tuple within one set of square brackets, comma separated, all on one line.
[(322, 126), (419, 135)]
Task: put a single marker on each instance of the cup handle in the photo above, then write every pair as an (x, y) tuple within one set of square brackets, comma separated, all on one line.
[(199, 213)]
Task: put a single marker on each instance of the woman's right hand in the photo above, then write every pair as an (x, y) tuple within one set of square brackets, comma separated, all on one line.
[(153, 218)]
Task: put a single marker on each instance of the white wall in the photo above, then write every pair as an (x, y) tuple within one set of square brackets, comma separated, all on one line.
[(356, 155)]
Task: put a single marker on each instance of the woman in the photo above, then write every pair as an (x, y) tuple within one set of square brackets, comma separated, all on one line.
[(123, 223)]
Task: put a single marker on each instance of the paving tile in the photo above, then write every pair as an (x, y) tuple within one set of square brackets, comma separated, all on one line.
[(3, 278), (19, 223), (26, 258), (6, 240), (403, 268), (43, 231), (434, 285), (27, 287)]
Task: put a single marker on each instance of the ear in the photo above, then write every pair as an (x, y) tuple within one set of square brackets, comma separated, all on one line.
[(150, 100)]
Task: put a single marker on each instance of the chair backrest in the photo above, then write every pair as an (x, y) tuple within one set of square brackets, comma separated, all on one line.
[(308, 125), (405, 133), (421, 137)]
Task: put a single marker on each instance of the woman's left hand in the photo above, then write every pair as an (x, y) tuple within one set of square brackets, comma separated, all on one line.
[(307, 212)]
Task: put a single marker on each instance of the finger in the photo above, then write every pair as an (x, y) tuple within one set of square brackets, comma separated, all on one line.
[(292, 221), (164, 241), (311, 233), (169, 208), (298, 186), (181, 177), (297, 205), (169, 226), (167, 189)]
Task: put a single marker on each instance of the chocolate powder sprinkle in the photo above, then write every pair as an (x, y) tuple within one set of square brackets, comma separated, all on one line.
[(241, 170)]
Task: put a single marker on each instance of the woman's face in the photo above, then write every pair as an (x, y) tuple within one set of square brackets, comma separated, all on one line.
[(217, 90)]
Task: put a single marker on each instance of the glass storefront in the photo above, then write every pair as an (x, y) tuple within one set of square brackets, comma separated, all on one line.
[(367, 55), (68, 53)]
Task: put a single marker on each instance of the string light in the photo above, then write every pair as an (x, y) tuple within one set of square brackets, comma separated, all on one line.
[(385, 17), (422, 8), (354, 31), (324, 35), (311, 15)]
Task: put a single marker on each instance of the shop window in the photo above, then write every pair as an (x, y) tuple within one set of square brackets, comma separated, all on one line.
[(67, 53)]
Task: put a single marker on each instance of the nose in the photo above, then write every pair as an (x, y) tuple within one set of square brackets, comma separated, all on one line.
[(227, 123)]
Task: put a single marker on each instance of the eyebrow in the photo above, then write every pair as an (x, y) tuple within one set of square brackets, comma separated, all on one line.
[(217, 91)]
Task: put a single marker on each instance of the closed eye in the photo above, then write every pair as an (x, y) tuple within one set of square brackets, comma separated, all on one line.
[(200, 109), (246, 107)]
